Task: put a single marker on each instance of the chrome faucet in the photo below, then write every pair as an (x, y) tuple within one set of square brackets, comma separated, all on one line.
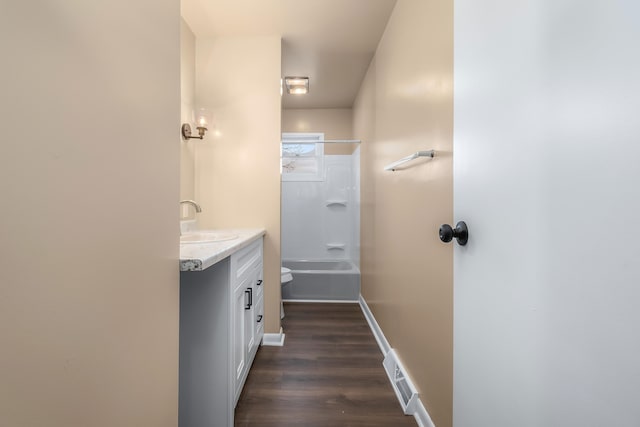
[(192, 203)]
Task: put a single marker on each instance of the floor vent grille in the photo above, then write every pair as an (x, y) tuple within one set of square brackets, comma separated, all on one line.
[(402, 385)]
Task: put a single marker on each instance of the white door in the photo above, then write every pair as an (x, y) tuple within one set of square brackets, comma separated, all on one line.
[(547, 177)]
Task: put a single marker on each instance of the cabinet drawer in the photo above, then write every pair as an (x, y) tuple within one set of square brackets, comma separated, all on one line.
[(258, 286), (259, 321), (245, 260)]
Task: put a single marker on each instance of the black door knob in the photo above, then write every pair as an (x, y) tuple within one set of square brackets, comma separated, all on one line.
[(461, 233)]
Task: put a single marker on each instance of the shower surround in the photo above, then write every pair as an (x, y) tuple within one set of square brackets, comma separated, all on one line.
[(320, 227)]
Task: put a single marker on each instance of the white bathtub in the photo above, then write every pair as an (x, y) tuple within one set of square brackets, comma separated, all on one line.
[(322, 281)]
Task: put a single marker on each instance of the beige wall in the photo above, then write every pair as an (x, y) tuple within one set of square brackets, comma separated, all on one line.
[(187, 105), (336, 123), (405, 105), (238, 163), (89, 177)]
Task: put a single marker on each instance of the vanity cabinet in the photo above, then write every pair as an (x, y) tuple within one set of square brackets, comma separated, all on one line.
[(221, 327), (247, 312)]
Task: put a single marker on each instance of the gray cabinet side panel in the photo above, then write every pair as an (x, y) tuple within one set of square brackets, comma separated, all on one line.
[(204, 347)]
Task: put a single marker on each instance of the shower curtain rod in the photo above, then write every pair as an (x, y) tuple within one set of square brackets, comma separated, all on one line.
[(326, 141)]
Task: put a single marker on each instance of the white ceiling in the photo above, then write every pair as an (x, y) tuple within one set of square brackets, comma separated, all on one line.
[(331, 41)]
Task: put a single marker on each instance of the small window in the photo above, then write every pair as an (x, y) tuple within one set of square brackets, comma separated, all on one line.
[(302, 157)]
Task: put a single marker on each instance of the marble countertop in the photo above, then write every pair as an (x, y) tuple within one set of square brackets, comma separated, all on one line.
[(199, 256)]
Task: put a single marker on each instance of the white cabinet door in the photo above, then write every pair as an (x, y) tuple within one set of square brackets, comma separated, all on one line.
[(246, 273), (249, 313), (546, 176), (239, 333)]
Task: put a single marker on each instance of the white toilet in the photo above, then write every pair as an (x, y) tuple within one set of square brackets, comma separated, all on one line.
[(285, 277)]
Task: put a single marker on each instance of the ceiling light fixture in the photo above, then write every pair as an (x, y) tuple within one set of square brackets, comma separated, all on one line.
[(297, 85)]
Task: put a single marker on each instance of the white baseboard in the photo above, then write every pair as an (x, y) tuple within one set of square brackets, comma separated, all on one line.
[(416, 408), (273, 340), (375, 328), (422, 416)]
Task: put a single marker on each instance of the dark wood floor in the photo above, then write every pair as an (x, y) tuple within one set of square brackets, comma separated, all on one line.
[(328, 374)]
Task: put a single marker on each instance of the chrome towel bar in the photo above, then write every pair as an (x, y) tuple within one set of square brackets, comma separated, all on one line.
[(394, 165)]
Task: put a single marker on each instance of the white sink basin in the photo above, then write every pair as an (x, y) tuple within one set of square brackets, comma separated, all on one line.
[(207, 237)]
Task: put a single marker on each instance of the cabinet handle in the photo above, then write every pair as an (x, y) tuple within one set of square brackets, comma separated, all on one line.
[(259, 318), (250, 303), (259, 282)]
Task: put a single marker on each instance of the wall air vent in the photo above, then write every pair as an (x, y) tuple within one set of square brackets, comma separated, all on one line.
[(402, 385)]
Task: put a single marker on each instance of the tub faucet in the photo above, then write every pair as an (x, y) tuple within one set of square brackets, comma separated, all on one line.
[(192, 203)]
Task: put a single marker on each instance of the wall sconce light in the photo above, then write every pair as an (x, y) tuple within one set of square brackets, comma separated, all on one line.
[(297, 85), (202, 119)]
